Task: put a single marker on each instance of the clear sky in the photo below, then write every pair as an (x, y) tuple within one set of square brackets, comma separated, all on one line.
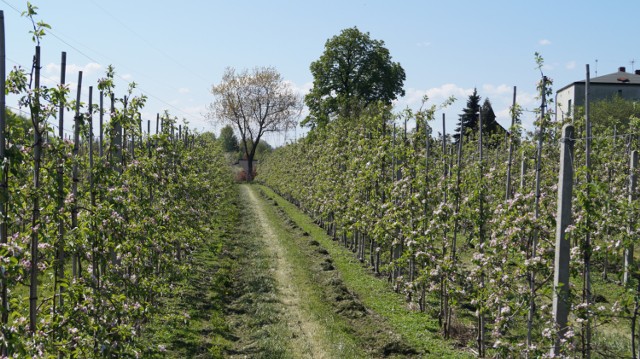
[(175, 50)]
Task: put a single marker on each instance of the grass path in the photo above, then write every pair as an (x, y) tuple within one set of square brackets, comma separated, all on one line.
[(419, 330), (325, 319), (307, 341), (273, 285)]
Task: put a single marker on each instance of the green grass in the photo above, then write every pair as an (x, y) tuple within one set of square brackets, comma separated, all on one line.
[(334, 331), (419, 329), (190, 321), (611, 335)]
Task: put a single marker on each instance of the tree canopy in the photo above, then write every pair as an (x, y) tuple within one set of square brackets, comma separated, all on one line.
[(228, 139), (489, 123), (254, 102), (469, 115), (353, 72), (612, 112)]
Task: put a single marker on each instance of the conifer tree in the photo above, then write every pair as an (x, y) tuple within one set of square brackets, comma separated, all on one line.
[(469, 116)]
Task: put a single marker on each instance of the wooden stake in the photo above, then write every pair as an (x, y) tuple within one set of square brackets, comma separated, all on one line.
[(509, 160), (59, 268), (101, 143), (35, 217), (76, 174), (4, 298)]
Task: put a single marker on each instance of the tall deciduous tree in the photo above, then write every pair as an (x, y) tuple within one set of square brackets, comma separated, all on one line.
[(254, 102), (353, 72)]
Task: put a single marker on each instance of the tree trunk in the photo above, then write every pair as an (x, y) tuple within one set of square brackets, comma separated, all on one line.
[(250, 167)]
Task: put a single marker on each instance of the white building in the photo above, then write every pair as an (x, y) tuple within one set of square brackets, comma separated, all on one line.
[(622, 83)]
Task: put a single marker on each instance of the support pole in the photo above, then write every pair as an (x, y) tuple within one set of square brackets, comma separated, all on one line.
[(509, 161), (633, 181), (59, 268), (586, 275), (4, 301), (561, 302), (76, 175)]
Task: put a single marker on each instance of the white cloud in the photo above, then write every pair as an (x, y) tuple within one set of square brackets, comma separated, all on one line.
[(492, 90), (50, 81), (570, 65), (527, 100), (500, 95), (413, 97), (183, 90), (126, 77), (92, 67), (544, 42), (87, 69), (423, 44), (300, 89), (52, 68)]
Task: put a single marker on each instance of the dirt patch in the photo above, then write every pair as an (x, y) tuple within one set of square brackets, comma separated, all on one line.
[(327, 265), (322, 251)]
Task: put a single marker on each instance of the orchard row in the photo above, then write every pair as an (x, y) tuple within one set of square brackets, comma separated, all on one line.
[(96, 228), (467, 228)]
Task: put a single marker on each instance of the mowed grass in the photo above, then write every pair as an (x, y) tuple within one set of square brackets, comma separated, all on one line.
[(419, 329), (190, 321), (611, 335), (334, 335), (228, 306)]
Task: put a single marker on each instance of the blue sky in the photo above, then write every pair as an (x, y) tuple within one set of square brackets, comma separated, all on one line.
[(175, 50)]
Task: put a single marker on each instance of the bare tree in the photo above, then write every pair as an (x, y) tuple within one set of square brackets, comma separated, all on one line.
[(254, 102)]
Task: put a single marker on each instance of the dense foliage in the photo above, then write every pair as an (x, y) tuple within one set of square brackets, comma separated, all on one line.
[(127, 246), (97, 230), (353, 72), (229, 139), (438, 221), (471, 114)]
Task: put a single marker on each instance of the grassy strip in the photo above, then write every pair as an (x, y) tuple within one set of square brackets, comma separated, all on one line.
[(254, 311), (227, 306), (190, 320), (335, 333), (417, 328)]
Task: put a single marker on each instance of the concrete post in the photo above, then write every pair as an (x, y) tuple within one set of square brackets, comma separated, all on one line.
[(561, 303), (633, 180)]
